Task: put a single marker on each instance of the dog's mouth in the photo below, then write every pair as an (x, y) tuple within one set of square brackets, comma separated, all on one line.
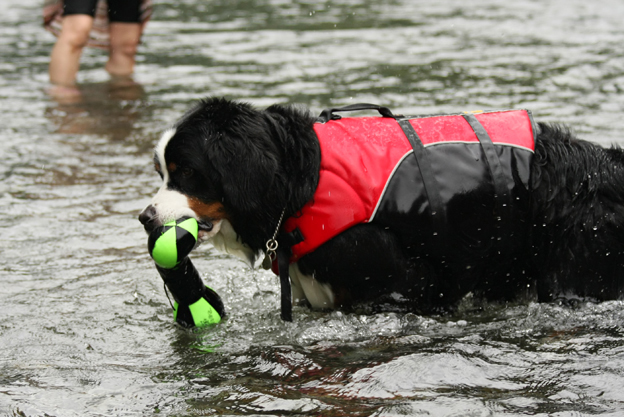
[(206, 229), (205, 225)]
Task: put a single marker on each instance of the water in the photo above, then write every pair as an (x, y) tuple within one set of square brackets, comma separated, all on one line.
[(85, 326)]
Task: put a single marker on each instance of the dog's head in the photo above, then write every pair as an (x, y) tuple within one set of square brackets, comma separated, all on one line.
[(217, 164)]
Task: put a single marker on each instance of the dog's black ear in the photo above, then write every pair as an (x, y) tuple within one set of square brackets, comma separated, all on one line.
[(248, 162), (293, 133)]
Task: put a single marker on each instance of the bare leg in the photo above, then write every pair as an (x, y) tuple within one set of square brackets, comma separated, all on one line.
[(124, 39), (65, 57)]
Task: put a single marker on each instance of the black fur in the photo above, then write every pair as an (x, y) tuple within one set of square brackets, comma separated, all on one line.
[(259, 162), (577, 243)]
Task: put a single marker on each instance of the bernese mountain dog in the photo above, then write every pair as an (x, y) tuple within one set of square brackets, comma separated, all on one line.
[(395, 212)]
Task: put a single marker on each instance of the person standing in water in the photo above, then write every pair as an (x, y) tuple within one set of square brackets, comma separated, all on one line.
[(115, 25)]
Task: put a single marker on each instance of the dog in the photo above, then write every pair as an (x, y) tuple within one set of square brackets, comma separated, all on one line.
[(542, 218)]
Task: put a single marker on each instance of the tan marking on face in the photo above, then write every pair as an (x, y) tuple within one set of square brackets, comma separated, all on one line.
[(172, 167), (212, 211)]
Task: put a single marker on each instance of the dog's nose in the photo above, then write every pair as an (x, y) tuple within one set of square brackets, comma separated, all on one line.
[(147, 215)]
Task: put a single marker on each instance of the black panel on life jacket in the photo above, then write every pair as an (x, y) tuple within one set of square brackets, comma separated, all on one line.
[(471, 226)]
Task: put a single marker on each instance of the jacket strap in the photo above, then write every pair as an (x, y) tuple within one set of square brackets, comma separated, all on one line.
[(283, 261), (284, 252), (503, 185), (432, 188)]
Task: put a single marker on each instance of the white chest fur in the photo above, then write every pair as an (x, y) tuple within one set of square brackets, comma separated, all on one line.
[(304, 287), (307, 287)]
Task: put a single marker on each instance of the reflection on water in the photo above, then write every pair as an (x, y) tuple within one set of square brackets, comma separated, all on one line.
[(109, 109), (85, 327)]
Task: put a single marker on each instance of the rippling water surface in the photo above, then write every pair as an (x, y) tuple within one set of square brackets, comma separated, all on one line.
[(85, 326)]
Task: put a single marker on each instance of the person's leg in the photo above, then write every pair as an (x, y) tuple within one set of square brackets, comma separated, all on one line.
[(125, 33), (124, 40), (65, 57)]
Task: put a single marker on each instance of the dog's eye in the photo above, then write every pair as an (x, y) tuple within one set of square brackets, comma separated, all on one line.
[(186, 172)]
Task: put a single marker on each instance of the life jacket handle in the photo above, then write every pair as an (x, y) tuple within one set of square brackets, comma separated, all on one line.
[(328, 114)]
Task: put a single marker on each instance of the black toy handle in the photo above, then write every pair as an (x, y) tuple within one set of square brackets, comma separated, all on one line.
[(187, 287), (328, 114)]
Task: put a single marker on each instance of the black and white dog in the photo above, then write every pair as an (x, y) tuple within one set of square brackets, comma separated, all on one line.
[(414, 213)]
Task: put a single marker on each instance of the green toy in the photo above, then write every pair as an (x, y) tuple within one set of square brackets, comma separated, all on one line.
[(169, 245)]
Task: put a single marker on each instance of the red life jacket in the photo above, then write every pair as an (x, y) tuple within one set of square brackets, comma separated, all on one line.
[(364, 175)]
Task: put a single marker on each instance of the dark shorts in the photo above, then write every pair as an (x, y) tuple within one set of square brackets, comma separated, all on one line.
[(126, 11)]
